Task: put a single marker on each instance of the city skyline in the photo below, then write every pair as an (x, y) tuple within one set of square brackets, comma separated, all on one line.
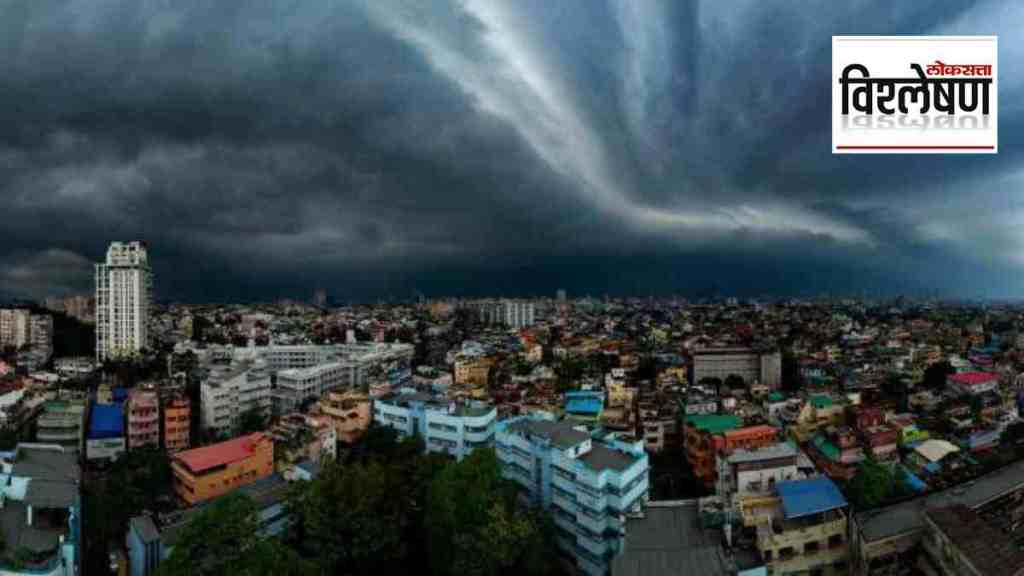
[(381, 148)]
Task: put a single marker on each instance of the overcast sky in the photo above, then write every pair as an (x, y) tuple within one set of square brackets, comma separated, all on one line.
[(377, 147)]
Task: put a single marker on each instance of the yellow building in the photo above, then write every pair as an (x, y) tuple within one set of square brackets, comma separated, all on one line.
[(472, 372)]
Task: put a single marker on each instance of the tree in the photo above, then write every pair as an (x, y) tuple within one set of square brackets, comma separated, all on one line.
[(225, 538), (873, 484), (935, 375), (734, 382), (252, 420), (474, 527), (1014, 433)]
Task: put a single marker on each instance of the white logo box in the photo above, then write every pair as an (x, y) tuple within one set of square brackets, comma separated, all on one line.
[(953, 67)]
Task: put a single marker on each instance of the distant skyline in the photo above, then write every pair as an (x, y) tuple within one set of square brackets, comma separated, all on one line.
[(375, 148)]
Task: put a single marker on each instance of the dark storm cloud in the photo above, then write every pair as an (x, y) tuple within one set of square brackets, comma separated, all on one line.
[(264, 148)]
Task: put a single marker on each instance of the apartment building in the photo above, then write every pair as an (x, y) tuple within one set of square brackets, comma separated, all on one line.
[(801, 528), (511, 313), (702, 438), (590, 485), (472, 371), (62, 422), (201, 474), (123, 295), (41, 335), (142, 412), (446, 426), (350, 414), (228, 391), (105, 439), (177, 423), (296, 386), (14, 327)]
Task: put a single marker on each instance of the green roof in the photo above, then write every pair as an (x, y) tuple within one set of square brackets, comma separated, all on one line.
[(821, 400), (825, 447), (713, 423), (776, 396)]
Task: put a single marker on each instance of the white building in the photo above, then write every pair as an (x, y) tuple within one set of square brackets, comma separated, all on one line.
[(590, 485), (229, 391), (445, 426), (41, 334), (296, 385), (14, 327), (123, 292)]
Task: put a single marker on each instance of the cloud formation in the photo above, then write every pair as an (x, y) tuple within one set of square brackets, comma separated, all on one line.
[(377, 146)]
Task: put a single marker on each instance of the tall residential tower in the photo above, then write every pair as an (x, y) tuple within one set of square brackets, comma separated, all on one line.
[(123, 292)]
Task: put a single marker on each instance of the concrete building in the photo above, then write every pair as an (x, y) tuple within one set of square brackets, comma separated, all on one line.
[(446, 426), (41, 334), (747, 363), (61, 422), (590, 486), (177, 423), (41, 512), (296, 386), (888, 541), (958, 542), (143, 416), (472, 371), (349, 412), (801, 528), (510, 313), (205, 473), (14, 327), (123, 294), (228, 391)]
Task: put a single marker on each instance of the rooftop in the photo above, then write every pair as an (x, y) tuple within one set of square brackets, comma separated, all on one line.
[(600, 457), (973, 378), (810, 496), (106, 421), (909, 516), (780, 450), (713, 423), (987, 548), (206, 457), (562, 434), (669, 540)]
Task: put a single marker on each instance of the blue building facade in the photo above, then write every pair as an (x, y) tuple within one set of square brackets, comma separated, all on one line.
[(590, 486), (447, 427)]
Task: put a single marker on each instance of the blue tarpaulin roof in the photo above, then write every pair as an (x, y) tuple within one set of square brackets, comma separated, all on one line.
[(107, 421), (810, 496), (916, 483), (584, 402), (119, 394)]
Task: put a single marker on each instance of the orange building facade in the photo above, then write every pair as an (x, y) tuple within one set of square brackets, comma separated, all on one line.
[(208, 472), (177, 424), (349, 413), (708, 438)]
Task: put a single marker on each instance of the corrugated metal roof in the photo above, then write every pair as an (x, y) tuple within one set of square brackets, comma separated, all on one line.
[(809, 496)]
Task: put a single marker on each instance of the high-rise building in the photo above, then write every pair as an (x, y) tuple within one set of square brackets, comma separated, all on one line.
[(560, 295), (41, 334), (518, 313), (123, 292), (14, 327)]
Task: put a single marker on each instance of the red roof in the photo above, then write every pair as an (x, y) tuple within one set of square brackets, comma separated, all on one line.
[(973, 378), (199, 459)]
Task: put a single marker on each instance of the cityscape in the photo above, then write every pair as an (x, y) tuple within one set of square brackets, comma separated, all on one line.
[(511, 288), (614, 435)]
